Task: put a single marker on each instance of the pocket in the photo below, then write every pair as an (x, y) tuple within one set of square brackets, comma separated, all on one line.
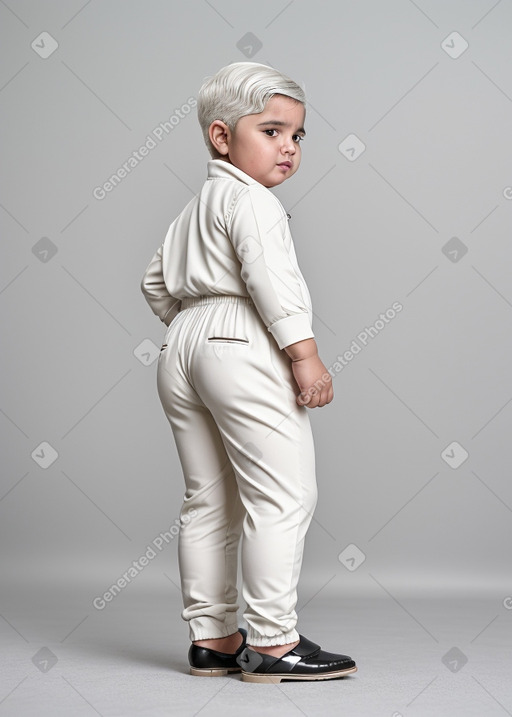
[(226, 323), (226, 340)]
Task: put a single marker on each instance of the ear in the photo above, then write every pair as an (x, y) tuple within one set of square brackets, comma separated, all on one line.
[(220, 135)]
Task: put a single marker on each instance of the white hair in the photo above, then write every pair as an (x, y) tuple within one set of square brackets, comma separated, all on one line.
[(239, 89)]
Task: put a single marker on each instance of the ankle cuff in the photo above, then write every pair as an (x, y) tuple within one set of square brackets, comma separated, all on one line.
[(258, 640)]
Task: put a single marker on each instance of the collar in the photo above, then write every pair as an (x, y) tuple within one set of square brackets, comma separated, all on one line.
[(221, 168)]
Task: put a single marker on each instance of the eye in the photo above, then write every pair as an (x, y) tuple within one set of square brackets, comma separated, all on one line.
[(298, 138), (270, 130)]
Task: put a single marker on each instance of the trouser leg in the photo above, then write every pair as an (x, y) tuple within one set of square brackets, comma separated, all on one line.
[(250, 391), (211, 514)]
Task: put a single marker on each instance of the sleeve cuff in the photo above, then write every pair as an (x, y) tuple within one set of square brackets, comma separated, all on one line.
[(291, 329)]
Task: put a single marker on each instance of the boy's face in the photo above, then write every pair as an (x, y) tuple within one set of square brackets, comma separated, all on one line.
[(266, 146)]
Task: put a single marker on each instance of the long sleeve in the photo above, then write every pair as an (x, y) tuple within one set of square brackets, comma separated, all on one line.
[(258, 230), (153, 287)]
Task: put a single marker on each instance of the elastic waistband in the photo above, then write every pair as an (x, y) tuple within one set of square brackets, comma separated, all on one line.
[(189, 301)]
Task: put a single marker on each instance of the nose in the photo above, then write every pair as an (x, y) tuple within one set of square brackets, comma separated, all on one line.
[(288, 146)]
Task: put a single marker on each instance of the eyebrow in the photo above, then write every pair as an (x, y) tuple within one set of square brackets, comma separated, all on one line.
[(280, 124)]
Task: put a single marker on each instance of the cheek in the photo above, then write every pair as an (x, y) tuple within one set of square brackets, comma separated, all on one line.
[(259, 151)]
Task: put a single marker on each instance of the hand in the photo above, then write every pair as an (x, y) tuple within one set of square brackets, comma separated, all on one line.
[(314, 382)]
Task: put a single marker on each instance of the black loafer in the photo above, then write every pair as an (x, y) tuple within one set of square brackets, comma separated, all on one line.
[(307, 661), (210, 663)]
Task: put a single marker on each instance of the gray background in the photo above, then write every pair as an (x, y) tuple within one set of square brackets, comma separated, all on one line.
[(399, 523)]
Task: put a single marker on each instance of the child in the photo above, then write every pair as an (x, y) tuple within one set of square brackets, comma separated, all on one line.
[(239, 344)]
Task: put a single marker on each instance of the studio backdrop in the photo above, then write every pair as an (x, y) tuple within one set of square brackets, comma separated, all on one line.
[(401, 217)]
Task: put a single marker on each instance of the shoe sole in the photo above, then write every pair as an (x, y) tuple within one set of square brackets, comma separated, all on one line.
[(213, 672), (275, 679)]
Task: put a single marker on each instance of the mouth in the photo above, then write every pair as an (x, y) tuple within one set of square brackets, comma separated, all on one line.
[(285, 165)]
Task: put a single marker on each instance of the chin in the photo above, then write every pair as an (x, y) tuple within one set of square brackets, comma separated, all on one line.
[(275, 182)]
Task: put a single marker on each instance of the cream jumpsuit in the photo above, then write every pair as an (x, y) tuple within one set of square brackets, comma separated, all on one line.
[(227, 284)]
